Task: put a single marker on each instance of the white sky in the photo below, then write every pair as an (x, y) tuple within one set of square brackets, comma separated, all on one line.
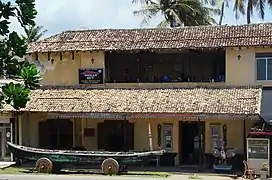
[(60, 15)]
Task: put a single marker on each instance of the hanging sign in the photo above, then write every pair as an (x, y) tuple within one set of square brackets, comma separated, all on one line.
[(90, 76)]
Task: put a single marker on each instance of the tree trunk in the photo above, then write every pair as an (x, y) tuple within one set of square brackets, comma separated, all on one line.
[(248, 18), (222, 13), (248, 11), (172, 24)]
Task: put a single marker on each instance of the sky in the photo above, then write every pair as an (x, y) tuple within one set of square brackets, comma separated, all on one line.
[(60, 15)]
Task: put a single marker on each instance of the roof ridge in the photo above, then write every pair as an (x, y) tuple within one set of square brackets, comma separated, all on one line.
[(167, 28), (211, 36), (147, 40)]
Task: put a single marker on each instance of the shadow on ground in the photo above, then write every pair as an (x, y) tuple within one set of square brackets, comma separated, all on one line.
[(98, 172), (140, 171)]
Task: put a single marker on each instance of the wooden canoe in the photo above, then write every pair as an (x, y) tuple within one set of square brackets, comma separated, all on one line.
[(79, 157)]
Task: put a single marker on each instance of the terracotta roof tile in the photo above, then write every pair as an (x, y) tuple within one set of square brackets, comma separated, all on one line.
[(211, 100), (160, 38)]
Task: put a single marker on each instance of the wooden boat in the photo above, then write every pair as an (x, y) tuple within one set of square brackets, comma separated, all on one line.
[(48, 161)]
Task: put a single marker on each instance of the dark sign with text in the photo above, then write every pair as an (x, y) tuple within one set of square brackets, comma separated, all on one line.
[(90, 76)]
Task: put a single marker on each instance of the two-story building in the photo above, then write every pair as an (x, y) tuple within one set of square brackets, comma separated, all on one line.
[(142, 89)]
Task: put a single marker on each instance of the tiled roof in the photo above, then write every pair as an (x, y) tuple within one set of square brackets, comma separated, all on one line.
[(211, 100), (160, 38)]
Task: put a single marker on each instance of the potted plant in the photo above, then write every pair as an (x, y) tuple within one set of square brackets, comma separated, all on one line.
[(264, 171)]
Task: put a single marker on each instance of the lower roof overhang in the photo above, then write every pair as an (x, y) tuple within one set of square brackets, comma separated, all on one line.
[(130, 116), (184, 102)]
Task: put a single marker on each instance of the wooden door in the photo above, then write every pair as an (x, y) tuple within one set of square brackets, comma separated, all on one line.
[(102, 136), (129, 142), (44, 134)]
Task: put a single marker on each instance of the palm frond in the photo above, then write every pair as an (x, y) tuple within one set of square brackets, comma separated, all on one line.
[(269, 2), (250, 7), (140, 1), (33, 33), (239, 8), (179, 12), (163, 24), (222, 13), (147, 12), (260, 6), (174, 16), (210, 2)]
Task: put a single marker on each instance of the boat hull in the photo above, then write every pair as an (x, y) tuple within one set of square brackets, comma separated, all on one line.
[(80, 157)]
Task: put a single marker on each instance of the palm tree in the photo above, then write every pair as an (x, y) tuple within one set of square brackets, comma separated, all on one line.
[(33, 33), (222, 4), (176, 12), (200, 15), (247, 7)]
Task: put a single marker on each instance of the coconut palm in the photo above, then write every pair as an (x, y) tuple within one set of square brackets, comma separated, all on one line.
[(176, 12), (200, 15), (222, 5), (246, 7), (33, 33)]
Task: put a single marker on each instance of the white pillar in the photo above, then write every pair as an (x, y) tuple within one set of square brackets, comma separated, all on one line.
[(150, 137), (20, 129)]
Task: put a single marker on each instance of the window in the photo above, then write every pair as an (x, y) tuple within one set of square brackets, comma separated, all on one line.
[(264, 66)]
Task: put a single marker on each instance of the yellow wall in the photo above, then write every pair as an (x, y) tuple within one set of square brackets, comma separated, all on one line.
[(65, 71), (90, 143), (243, 71), (30, 128), (141, 140), (235, 137)]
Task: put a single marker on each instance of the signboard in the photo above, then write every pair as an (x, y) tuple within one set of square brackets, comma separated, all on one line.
[(90, 76), (258, 151)]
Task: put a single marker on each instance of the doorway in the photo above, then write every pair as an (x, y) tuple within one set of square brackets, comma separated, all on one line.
[(5, 135), (189, 142), (116, 135), (56, 134)]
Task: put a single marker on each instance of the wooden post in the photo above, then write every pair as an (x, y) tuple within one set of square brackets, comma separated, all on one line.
[(20, 129), (199, 146), (74, 133), (125, 134), (150, 137), (244, 139), (82, 132)]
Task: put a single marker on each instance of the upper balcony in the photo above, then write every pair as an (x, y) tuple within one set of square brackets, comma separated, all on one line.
[(164, 69)]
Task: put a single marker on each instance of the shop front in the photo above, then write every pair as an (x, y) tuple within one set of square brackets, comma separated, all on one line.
[(183, 121)]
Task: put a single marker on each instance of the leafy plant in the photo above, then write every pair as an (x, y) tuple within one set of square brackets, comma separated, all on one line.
[(31, 77), (13, 49), (15, 95)]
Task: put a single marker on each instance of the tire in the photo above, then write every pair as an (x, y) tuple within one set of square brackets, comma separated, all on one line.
[(44, 165), (110, 166)]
